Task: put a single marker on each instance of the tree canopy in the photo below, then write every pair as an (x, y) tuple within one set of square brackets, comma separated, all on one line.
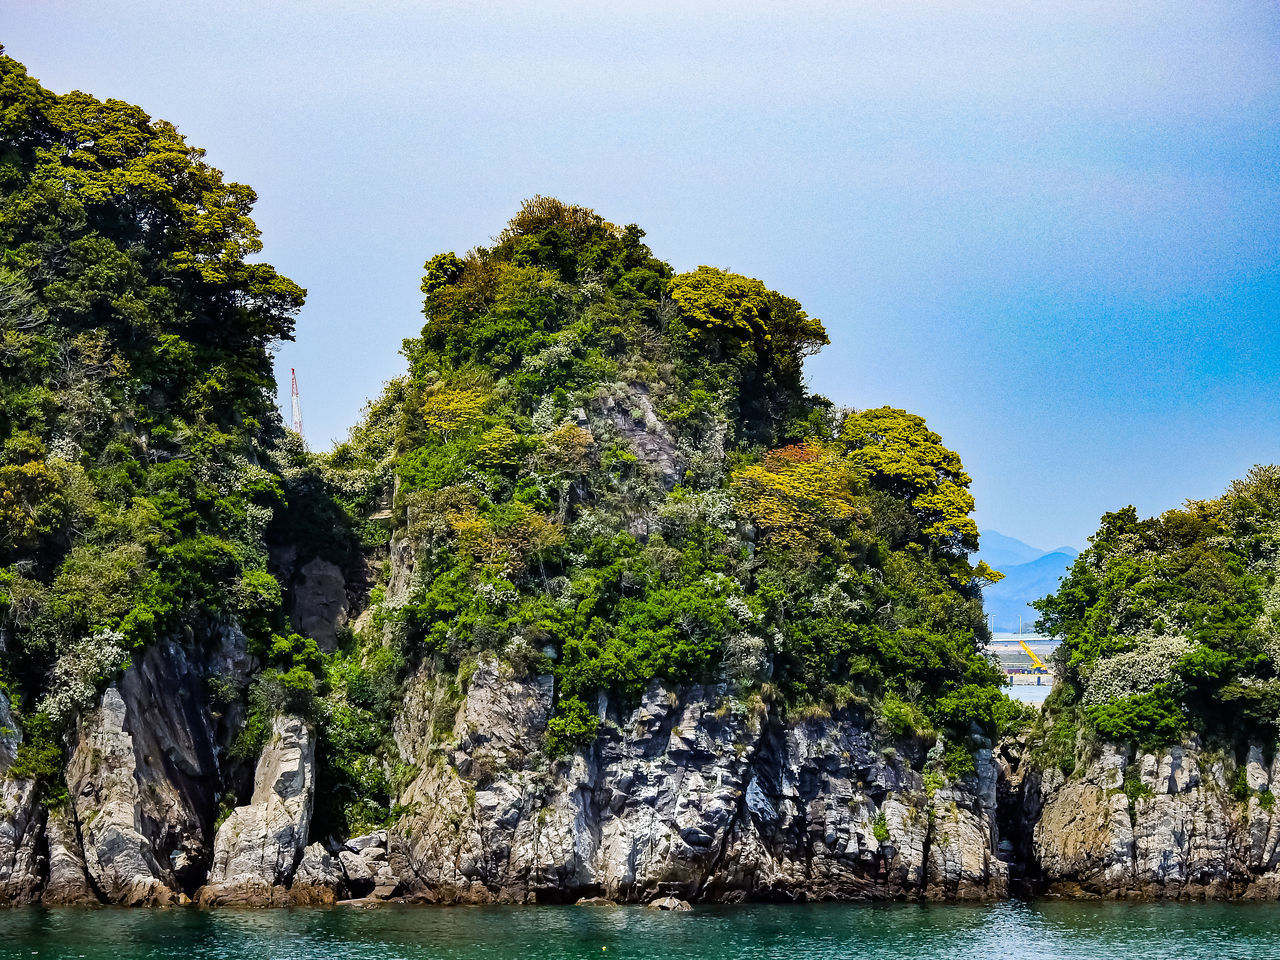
[(1170, 623), (142, 465)]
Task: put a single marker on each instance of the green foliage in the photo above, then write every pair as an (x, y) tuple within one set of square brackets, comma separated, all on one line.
[(1239, 785), (1169, 623), (137, 425), (958, 761), (901, 456), (974, 705), (880, 827), (354, 792), (1150, 719), (40, 758), (573, 726), (903, 719), (742, 317)]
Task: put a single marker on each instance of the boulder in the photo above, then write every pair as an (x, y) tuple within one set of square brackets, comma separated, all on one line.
[(359, 872), (362, 843), (319, 878), (673, 904)]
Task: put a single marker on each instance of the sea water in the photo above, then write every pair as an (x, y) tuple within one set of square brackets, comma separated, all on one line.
[(1004, 931)]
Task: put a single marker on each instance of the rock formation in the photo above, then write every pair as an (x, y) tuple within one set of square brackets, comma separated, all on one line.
[(258, 847), (689, 795), (320, 603), (143, 779), (693, 795), (1182, 822)]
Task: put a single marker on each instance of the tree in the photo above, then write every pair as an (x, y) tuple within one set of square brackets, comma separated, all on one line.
[(899, 454), (797, 494), (743, 316), (449, 409)]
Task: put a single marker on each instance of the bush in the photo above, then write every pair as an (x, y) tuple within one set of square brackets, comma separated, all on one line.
[(903, 719), (958, 761), (40, 758), (573, 726), (1151, 720), (880, 827)]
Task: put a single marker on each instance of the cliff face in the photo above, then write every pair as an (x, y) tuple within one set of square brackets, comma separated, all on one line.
[(688, 795), (691, 794), (142, 781), (1177, 823)]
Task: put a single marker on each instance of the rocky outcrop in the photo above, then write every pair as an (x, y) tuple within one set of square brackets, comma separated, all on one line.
[(1182, 822), (68, 883), (143, 777), (320, 603), (258, 847), (20, 821), (691, 795), (319, 878), (633, 416), (20, 829)]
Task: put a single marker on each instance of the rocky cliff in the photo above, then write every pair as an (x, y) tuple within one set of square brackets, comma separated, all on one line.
[(691, 794), (1183, 822)]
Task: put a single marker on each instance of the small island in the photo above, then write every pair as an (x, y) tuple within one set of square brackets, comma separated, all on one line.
[(597, 603)]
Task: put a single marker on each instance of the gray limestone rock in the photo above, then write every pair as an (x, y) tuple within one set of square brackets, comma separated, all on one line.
[(689, 795), (108, 800), (68, 882), (368, 840), (258, 847), (1162, 824), (20, 828), (319, 878)]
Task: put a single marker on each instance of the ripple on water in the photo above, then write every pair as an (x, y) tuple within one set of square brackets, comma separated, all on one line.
[(1004, 931)]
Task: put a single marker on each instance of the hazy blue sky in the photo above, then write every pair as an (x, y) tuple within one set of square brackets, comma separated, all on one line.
[(1050, 228)]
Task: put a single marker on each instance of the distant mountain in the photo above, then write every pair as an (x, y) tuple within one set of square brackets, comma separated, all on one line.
[(1001, 551), (1029, 574)]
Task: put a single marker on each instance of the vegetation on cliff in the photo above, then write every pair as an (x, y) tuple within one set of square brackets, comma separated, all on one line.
[(614, 473), (140, 449), (601, 469), (1172, 623)]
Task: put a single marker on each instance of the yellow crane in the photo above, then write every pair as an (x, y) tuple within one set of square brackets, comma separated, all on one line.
[(1036, 661)]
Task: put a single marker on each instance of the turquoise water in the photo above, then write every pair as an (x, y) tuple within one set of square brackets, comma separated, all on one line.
[(1005, 931)]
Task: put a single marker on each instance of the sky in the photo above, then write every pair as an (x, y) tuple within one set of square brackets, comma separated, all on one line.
[(1052, 229)]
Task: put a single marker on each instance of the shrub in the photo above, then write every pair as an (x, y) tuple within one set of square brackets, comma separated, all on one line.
[(573, 726), (880, 827), (40, 758), (1151, 719), (902, 718)]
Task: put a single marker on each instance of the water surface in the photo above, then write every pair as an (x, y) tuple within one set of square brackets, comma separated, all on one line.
[(1004, 931)]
